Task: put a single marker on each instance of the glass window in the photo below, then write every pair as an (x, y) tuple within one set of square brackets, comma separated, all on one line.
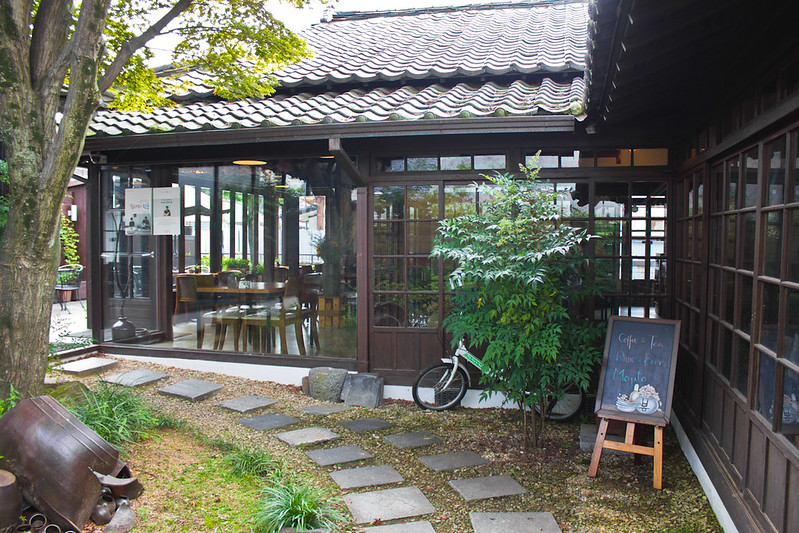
[(651, 157), (750, 178), (610, 200), (748, 235), (389, 274), (793, 245), (764, 401), (388, 164), (489, 162), (775, 153), (422, 202), (790, 407), (733, 177), (389, 202), (461, 162), (422, 310), (725, 352), (769, 316), (792, 327), (460, 200), (731, 246), (614, 158), (745, 315), (729, 296), (422, 164), (772, 259), (570, 160), (742, 367)]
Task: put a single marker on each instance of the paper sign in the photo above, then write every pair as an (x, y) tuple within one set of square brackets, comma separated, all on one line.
[(166, 211), (138, 212)]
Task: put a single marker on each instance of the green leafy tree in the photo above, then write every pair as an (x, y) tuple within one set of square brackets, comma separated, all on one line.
[(519, 270), (96, 47)]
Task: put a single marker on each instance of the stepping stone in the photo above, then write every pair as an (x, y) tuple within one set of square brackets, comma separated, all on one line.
[(268, 421), (452, 460), (408, 527), (389, 504), (246, 404), (135, 378), (363, 390), (333, 456), (365, 424), (89, 366), (325, 409), (413, 440), (481, 488), (353, 478), (516, 522), (193, 390), (307, 436)]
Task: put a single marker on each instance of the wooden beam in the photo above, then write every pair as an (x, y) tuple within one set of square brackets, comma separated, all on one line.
[(343, 159)]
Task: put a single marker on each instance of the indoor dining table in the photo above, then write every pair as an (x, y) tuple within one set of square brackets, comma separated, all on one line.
[(248, 293)]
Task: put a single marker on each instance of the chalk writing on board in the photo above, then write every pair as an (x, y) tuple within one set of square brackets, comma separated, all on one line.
[(637, 373)]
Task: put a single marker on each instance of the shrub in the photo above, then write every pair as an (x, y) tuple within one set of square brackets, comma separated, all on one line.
[(9, 402), (117, 414), (256, 463), (297, 504)]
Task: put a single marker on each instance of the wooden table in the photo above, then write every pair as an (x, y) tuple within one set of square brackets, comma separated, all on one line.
[(257, 290)]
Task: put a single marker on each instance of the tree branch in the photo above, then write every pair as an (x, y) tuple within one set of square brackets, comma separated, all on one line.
[(130, 47), (50, 32)]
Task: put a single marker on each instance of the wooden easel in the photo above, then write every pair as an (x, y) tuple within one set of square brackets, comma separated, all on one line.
[(656, 451)]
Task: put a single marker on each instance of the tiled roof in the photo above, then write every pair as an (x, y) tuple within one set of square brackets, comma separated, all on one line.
[(437, 43), (356, 105), (444, 42)]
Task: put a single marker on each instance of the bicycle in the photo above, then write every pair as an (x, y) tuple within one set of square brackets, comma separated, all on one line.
[(443, 386)]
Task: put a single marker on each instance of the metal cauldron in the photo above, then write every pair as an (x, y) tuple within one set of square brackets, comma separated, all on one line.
[(53, 455)]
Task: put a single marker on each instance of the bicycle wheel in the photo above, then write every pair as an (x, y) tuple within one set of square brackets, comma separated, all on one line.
[(569, 405), (429, 390)]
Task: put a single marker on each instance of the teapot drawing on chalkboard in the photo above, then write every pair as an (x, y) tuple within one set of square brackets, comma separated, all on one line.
[(645, 400)]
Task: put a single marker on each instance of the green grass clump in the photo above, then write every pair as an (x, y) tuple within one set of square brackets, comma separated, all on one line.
[(117, 414), (294, 503), (257, 463)]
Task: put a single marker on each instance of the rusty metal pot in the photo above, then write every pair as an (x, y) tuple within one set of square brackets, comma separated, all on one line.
[(10, 500), (53, 455)]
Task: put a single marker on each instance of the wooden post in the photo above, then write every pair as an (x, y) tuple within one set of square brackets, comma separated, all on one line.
[(656, 451)]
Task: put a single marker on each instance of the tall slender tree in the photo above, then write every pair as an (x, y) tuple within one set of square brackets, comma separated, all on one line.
[(57, 59)]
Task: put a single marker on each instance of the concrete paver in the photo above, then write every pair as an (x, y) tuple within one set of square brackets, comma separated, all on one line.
[(481, 488), (89, 366), (366, 476), (515, 522), (343, 454), (310, 435), (413, 440), (452, 460), (135, 378), (325, 409), (365, 424), (194, 390), (407, 527), (268, 421), (247, 404), (389, 504)]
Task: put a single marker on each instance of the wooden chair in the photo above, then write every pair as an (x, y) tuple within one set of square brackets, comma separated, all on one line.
[(186, 290), (309, 303), (222, 320), (289, 313)]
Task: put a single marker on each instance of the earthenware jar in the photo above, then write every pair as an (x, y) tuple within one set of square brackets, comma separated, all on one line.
[(104, 509), (10, 501)]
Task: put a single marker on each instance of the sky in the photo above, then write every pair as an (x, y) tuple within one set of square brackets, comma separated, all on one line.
[(300, 19)]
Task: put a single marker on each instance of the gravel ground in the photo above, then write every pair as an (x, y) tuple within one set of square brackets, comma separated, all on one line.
[(620, 499)]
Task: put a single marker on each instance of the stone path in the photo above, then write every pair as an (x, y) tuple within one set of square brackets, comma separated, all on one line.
[(369, 506)]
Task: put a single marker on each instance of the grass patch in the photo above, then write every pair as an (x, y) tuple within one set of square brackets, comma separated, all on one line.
[(117, 414), (256, 463), (294, 503)]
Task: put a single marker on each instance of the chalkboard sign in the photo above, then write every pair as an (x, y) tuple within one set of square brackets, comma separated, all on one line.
[(638, 366)]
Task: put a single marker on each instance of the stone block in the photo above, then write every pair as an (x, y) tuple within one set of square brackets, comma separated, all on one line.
[(390, 504), (89, 366), (333, 456), (365, 424), (367, 476), (452, 460), (247, 404), (325, 383), (135, 378), (345, 389), (516, 522), (268, 421), (481, 488), (365, 390), (413, 440), (310, 435), (325, 409), (407, 527), (588, 439), (194, 390)]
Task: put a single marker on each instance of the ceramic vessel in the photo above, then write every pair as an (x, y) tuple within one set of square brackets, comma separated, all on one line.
[(10, 500)]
